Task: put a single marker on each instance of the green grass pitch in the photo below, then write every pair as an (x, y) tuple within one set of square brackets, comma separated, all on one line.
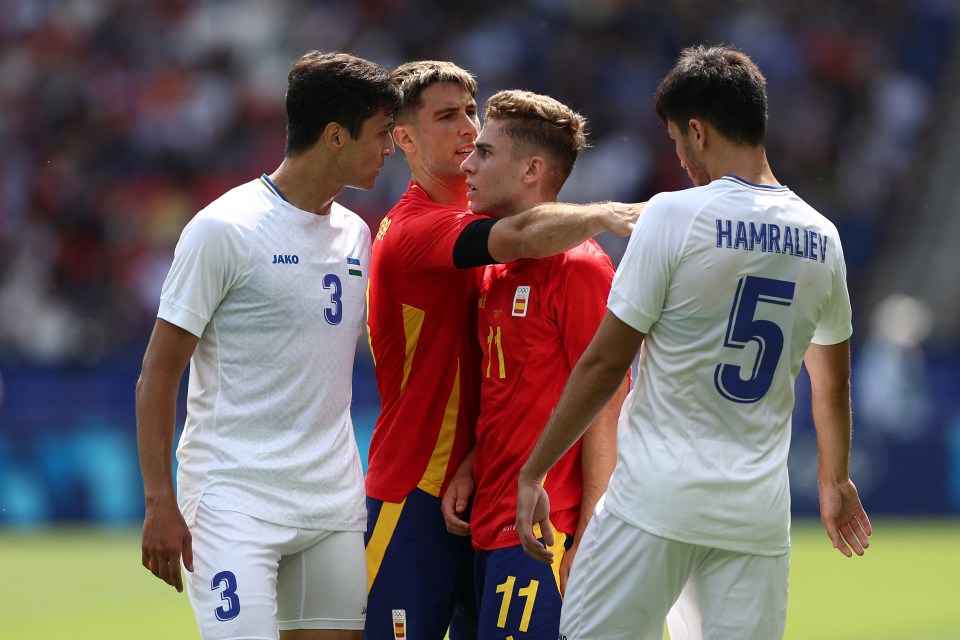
[(89, 585)]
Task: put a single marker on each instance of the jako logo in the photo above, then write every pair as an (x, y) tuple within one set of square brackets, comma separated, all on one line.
[(285, 259)]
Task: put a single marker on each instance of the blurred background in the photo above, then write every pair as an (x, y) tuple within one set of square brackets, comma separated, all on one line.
[(120, 119)]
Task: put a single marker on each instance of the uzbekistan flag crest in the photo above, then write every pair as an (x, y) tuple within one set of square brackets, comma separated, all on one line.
[(353, 267)]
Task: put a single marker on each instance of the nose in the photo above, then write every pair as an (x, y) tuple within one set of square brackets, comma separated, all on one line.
[(467, 165), (469, 126)]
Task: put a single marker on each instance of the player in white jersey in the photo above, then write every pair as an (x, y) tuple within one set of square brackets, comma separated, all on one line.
[(727, 287), (265, 300)]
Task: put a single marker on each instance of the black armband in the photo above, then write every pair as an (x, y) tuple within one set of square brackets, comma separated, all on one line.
[(471, 248)]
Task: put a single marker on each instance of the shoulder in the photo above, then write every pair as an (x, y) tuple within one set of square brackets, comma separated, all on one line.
[(588, 254), (342, 216)]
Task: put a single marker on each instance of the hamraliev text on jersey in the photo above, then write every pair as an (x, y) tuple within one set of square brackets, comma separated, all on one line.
[(771, 238)]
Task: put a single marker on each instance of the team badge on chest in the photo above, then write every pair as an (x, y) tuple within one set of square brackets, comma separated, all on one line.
[(521, 300)]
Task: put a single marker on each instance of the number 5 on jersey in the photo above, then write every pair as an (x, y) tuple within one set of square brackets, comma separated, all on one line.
[(743, 328)]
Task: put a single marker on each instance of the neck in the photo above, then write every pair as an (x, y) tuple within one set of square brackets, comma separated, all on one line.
[(749, 164), (305, 184), (442, 189)]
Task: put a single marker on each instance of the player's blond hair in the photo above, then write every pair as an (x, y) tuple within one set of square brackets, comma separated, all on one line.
[(540, 125), (413, 77)]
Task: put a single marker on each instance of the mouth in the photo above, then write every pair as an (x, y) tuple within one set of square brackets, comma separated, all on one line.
[(465, 150), (470, 189)]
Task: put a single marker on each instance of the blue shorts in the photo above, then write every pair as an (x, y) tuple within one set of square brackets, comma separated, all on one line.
[(420, 576), (518, 596)]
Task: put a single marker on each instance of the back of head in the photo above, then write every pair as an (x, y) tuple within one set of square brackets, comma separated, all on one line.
[(334, 87), (540, 125), (411, 78), (719, 85)]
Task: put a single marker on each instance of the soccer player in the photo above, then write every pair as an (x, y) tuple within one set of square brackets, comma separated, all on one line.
[(535, 319), (727, 287), (265, 300), (422, 322)]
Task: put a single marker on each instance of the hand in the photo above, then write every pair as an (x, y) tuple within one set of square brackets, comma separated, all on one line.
[(455, 502), (844, 518), (566, 564), (533, 507), (622, 218), (165, 539)]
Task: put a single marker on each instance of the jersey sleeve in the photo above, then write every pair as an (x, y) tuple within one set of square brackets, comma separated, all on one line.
[(205, 266), (432, 238), (587, 283), (640, 284), (835, 323)]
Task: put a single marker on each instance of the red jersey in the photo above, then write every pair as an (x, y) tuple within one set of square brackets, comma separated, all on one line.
[(536, 318), (422, 321)]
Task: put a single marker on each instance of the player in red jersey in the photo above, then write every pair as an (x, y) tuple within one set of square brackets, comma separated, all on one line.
[(535, 319), (422, 323)]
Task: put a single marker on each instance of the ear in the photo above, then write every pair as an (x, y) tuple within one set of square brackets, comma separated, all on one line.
[(403, 139), (699, 132), (536, 170), (334, 136)]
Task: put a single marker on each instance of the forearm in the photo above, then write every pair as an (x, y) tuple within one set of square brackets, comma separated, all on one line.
[(829, 369), (552, 228), (156, 416), (831, 416)]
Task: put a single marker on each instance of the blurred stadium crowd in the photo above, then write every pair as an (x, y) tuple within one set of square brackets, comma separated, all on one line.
[(119, 119)]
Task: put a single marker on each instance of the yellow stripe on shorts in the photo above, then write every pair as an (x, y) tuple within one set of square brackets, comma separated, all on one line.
[(380, 538)]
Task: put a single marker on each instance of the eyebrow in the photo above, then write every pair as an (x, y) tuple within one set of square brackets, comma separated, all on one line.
[(483, 145)]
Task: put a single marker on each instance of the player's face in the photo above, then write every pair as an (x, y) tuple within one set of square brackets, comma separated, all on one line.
[(446, 128), (688, 154), (360, 160), (494, 176)]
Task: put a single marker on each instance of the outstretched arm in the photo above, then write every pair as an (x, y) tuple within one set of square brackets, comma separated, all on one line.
[(598, 374), (841, 512), (554, 227), (165, 534)]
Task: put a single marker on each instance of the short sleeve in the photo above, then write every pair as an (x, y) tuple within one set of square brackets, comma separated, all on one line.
[(205, 265), (431, 237), (835, 323), (587, 283), (641, 281)]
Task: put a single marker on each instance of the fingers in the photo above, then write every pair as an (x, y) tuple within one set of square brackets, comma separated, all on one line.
[(188, 553), (855, 535), (546, 529), (535, 548), (449, 506)]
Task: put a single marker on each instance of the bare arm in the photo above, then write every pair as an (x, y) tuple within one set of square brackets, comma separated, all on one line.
[(552, 228), (165, 534), (598, 457), (598, 374), (842, 513)]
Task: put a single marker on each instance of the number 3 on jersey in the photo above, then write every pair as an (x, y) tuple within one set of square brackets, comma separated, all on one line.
[(743, 328)]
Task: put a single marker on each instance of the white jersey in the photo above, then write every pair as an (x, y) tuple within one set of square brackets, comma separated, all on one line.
[(277, 297), (731, 282)]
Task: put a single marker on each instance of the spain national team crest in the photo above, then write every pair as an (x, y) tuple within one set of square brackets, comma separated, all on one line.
[(520, 301), (399, 624)]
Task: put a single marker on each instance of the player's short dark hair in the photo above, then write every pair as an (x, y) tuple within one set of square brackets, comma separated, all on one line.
[(720, 85), (413, 77), (334, 87), (540, 125)]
